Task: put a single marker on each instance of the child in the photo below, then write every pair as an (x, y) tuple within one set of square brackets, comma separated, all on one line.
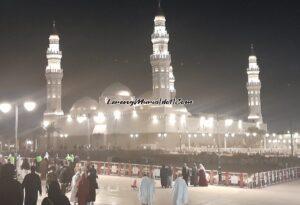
[(134, 185)]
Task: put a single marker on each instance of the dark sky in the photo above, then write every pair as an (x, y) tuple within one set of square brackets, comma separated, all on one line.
[(107, 41)]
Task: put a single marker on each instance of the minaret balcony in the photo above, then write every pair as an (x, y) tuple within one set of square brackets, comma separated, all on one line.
[(50, 52), (53, 70), (159, 35), (160, 56), (254, 84)]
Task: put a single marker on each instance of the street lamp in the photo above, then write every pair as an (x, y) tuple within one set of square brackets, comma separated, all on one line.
[(189, 138), (6, 107), (228, 123)]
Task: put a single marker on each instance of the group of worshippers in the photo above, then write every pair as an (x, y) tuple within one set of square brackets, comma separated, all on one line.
[(166, 176), (147, 191), (81, 181), (195, 176), (60, 177)]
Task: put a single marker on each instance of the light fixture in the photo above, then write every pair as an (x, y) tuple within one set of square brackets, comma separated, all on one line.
[(117, 114), (5, 107), (134, 114), (182, 119), (29, 105), (99, 118), (228, 122), (81, 119), (172, 119), (155, 119), (69, 118), (240, 124), (46, 123)]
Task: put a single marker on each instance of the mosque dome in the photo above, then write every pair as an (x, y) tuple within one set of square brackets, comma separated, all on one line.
[(85, 105), (117, 90)]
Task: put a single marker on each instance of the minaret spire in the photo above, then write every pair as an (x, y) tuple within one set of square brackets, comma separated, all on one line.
[(159, 9), (252, 53), (54, 75), (162, 72), (54, 30), (253, 87)]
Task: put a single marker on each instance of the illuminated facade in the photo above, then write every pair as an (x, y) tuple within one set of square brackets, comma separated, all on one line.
[(54, 75), (253, 87), (162, 71), (99, 123)]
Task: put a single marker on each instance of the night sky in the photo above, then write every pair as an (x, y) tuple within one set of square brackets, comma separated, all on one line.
[(108, 41)]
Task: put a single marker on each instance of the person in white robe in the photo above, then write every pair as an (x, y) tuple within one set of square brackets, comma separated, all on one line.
[(180, 192), (74, 185), (147, 190)]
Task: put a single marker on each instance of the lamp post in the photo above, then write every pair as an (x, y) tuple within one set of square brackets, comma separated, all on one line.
[(292, 142), (219, 153), (189, 138), (6, 107), (134, 137), (117, 117)]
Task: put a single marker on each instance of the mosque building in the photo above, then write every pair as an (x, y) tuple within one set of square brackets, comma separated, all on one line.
[(99, 122)]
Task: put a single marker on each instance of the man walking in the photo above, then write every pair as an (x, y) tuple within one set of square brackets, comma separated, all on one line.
[(32, 185), (147, 190)]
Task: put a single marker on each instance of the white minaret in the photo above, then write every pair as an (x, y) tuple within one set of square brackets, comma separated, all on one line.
[(162, 73), (253, 87), (54, 74)]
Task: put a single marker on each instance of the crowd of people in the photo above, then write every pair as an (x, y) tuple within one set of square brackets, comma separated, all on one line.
[(194, 176), (23, 177), (19, 178)]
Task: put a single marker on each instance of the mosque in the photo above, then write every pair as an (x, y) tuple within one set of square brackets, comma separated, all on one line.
[(111, 121)]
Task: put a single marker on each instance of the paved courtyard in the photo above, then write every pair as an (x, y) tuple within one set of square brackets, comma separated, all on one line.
[(117, 191)]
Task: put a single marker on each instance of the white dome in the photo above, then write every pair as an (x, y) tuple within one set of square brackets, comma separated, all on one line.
[(85, 106), (117, 90)]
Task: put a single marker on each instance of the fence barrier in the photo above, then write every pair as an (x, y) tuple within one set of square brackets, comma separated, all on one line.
[(137, 170), (256, 180), (268, 178)]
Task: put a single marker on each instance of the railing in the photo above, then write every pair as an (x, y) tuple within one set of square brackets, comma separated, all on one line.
[(268, 178), (237, 179), (137, 170)]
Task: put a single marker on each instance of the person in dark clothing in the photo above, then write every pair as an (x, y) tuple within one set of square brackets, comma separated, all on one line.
[(194, 177), (169, 176), (163, 176), (65, 178), (32, 185), (51, 176), (93, 171), (11, 192), (185, 173), (93, 185), (55, 196), (25, 165)]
